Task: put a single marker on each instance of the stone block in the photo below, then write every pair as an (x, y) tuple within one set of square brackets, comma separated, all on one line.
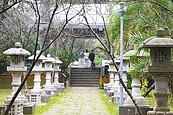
[(54, 93), (131, 110), (45, 98), (60, 89), (109, 93), (2, 109), (126, 110), (115, 99), (28, 109)]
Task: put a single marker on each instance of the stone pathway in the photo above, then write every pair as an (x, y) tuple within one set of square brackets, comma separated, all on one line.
[(79, 101)]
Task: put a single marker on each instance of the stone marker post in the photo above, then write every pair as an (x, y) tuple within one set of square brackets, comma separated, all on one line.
[(161, 69)]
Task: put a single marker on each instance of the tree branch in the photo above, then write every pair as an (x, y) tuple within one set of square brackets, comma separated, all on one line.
[(112, 58), (33, 64), (4, 10)]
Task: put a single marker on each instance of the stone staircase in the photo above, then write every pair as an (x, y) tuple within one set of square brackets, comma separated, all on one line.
[(85, 77)]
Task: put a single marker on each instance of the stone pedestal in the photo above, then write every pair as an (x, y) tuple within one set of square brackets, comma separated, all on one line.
[(116, 94), (35, 93), (16, 109), (48, 87), (45, 98), (131, 110), (140, 100), (59, 86), (161, 96), (115, 87), (111, 83)]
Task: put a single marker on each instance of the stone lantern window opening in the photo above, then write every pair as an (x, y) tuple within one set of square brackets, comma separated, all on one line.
[(48, 65), (38, 63), (16, 60), (160, 56), (43, 65)]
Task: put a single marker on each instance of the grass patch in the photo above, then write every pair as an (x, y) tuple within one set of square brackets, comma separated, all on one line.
[(111, 108), (53, 99), (3, 94)]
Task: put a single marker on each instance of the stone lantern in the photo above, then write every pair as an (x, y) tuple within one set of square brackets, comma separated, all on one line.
[(116, 88), (48, 87), (161, 69), (136, 92), (111, 71), (17, 68), (59, 86), (35, 93)]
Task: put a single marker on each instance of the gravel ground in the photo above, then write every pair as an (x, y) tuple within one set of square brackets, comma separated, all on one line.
[(79, 101)]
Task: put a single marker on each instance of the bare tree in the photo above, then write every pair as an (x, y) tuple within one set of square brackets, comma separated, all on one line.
[(109, 51), (44, 48)]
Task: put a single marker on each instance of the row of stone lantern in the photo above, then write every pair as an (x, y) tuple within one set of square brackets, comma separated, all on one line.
[(38, 95), (112, 88), (160, 57), (17, 68)]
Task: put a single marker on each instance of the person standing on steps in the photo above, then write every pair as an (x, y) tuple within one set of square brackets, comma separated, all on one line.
[(86, 54), (91, 58), (81, 59)]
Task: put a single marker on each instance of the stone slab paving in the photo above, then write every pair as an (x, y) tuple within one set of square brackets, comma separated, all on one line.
[(79, 101)]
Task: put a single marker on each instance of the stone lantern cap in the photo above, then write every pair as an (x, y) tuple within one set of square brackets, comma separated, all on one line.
[(49, 59), (42, 57), (57, 61), (130, 53), (38, 66), (158, 41), (17, 51)]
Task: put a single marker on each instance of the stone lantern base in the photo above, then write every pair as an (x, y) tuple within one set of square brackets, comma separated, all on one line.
[(110, 90), (159, 113), (16, 108), (116, 96), (51, 91), (59, 87), (131, 110), (105, 87), (113, 89), (139, 100), (44, 97), (35, 97)]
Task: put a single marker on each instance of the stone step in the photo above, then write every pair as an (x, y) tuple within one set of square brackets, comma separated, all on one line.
[(84, 85), (80, 72), (84, 81), (75, 76), (85, 77)]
